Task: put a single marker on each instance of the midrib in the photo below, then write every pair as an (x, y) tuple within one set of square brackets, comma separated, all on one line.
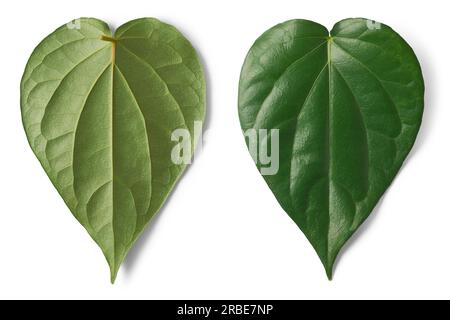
[(330, 137), (113, 64)]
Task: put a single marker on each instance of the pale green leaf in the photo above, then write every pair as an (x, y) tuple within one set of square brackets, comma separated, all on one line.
[(99, 110)]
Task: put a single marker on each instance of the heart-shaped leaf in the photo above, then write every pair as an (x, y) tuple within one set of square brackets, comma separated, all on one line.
[(99, 112), (341, 109)]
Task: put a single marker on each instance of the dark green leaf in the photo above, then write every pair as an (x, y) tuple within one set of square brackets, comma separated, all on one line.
[(99, 111), (348, 105)]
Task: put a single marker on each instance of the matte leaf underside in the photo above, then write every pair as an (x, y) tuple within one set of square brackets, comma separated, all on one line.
[(348, 105), (99, 110)]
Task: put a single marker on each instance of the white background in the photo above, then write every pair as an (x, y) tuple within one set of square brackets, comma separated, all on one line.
[(222, 235)]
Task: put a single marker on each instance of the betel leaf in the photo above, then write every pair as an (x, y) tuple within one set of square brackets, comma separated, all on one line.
[(346, 107), (99, 111)]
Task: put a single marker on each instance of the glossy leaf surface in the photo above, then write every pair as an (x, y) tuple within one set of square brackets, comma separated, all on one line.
[(99, 110), (348, 105)]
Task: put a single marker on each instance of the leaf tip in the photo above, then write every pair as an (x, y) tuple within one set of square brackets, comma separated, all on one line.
[(329, 270), (113, 276), (330, 273), (114, 270)]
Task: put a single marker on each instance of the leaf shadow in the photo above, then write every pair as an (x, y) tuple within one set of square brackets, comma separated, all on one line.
[(429, 115), (133, 255)]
